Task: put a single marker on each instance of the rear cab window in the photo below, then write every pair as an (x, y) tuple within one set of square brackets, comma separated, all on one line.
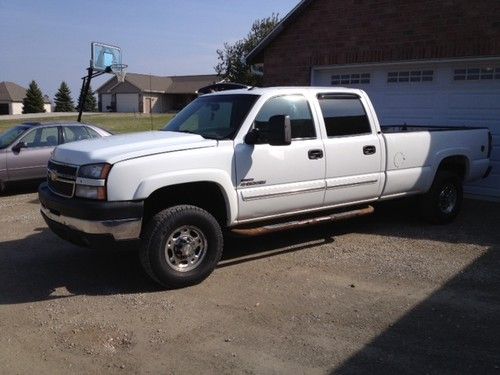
[(344, 115)]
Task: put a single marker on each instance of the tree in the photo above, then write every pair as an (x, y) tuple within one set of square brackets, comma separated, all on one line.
[(232, 65), (90, 104), (63, 100), (33, 101)]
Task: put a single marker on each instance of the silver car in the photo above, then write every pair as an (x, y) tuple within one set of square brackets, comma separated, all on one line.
[(26, 148)]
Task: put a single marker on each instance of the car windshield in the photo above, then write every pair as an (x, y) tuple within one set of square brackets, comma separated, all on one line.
[(11, 135), (214, 116)]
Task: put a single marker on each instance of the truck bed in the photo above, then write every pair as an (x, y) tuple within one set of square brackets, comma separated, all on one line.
[(414, 153)]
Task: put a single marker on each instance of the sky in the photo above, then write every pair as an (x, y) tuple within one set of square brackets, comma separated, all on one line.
[(49, 40)]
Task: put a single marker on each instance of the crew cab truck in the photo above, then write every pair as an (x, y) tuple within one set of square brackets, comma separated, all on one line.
[(250, 161)]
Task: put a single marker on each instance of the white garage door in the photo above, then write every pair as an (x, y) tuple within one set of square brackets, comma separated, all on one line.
[(127, 102), (461, 93)]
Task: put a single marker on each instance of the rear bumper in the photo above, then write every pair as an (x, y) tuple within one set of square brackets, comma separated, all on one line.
[(88, 220)]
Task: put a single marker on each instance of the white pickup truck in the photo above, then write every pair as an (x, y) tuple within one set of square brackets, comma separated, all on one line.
[(251, 161)]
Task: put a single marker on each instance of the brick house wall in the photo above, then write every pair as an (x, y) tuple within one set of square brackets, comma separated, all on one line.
[(330, 32)]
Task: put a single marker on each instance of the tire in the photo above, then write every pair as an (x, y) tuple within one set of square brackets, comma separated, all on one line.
[(442, 203), (2, 187), (181, 246)]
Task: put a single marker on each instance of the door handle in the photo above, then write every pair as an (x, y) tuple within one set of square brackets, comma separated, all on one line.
[(315, 154), (369, 150)]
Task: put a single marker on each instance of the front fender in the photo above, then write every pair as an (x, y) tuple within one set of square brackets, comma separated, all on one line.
[(150, 184)]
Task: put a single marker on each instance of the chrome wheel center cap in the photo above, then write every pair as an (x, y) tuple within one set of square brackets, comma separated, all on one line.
[(185, 248)]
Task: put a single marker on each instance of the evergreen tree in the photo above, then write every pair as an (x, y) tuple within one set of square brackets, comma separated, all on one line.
[(90, 104), (63, 100), (232, 65), (33, 102)]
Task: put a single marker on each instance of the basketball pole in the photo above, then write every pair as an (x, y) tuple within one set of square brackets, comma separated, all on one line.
[(83, 94), (85, 89)]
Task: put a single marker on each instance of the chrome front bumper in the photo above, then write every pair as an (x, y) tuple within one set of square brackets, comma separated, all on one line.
[(120, 230)]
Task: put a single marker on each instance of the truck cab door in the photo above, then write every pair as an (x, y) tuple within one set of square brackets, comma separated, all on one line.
[(276, 180), (354, 171)]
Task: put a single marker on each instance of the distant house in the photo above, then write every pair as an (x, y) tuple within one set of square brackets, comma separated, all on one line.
[(143, 93), (11, 99)]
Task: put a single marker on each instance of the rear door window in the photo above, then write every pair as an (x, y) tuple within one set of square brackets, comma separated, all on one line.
[(75, 133), (344, 115), (92, 133)]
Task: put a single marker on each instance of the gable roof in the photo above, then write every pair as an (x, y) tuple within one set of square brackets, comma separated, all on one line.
[(159, 84), (190, 84), (12, 92), (145, 82), (289, 18)]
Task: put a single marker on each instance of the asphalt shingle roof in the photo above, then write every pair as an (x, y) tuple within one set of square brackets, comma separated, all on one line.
[(167, 85), (12, 92)]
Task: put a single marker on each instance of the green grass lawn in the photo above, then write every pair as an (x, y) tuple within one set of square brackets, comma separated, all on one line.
[(115, 122)]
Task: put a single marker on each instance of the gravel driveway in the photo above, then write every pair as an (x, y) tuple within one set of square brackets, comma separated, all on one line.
[(382, 294)]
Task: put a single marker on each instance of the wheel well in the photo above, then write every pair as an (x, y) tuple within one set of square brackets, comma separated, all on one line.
[(457, 164), (206, 195)]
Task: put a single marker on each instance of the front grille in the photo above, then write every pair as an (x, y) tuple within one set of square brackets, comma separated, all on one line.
[(63, 170), (62, 188), (61, 178)]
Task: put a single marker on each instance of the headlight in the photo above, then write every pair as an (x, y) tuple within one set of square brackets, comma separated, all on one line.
[(91, 181), (95, 171)]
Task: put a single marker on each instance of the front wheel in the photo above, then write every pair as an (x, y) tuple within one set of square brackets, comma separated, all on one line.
[(181, 246), (442, 203)]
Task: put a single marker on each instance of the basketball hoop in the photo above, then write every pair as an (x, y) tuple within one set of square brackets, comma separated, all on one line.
[(119, 70)]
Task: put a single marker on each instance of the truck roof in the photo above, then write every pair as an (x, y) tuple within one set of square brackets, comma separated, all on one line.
[(288, 90)]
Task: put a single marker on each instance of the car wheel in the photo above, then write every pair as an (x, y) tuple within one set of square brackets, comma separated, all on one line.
[(181, 246), (442, 203)]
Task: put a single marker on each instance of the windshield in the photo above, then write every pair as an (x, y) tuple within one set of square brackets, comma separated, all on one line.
[(10, 136), (214, 116)]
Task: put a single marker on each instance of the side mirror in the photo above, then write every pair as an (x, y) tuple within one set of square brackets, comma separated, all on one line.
[(17, 148), (280, 131), (252, 137)]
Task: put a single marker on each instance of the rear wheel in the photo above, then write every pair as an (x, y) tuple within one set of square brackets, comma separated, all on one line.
[(442, 203), (181, 246)]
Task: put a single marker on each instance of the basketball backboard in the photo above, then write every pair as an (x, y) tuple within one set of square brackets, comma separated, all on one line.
[(103, 56)]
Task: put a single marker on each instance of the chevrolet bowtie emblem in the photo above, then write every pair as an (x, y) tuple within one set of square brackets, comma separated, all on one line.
[(52, 176)]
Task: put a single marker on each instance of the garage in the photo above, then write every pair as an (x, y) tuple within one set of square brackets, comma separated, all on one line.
[(4, 109), (436, 63), (127, 102), (458, 93)]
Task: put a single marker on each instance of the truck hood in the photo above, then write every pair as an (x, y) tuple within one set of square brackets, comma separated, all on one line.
[(128, 146)]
